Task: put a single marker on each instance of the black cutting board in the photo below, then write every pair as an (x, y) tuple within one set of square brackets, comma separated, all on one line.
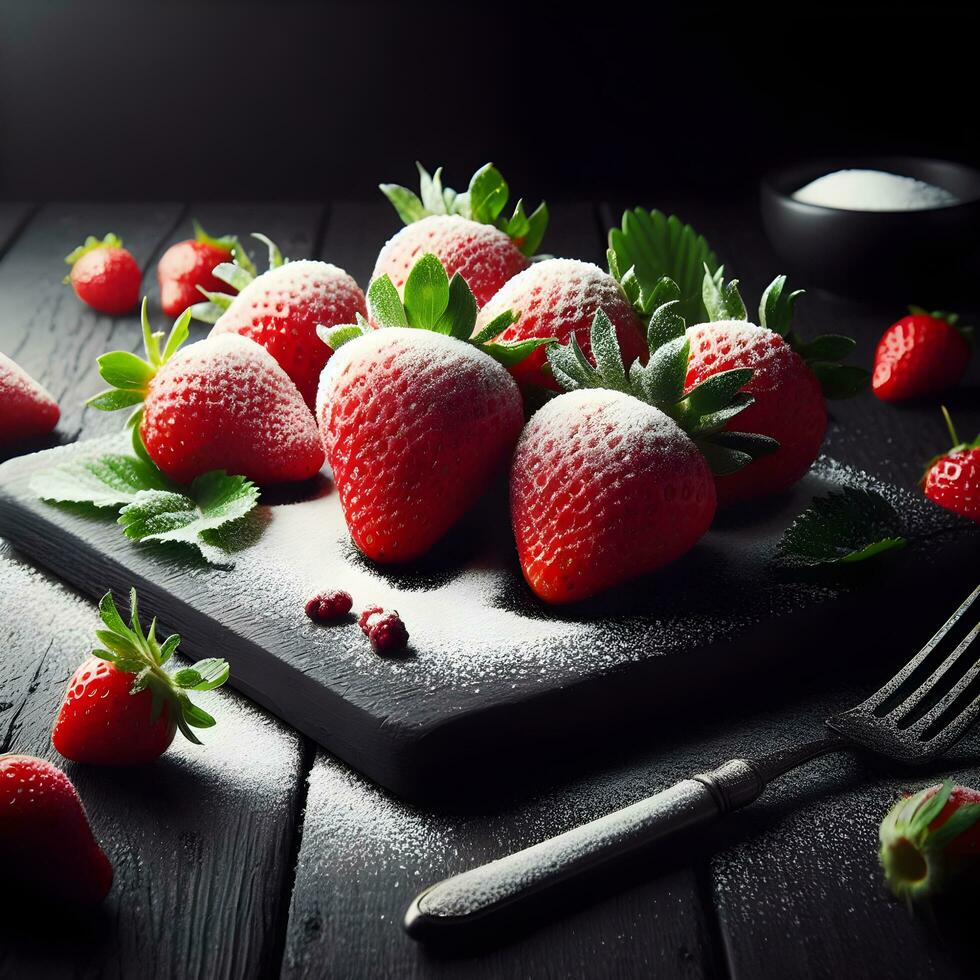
[(497, 683)]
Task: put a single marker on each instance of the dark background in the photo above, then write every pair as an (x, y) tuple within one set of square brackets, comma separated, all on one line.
[(185, 100)]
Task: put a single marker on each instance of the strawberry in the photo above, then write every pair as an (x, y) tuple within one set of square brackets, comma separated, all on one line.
[(789, 383), (104, 275), (222, 403), (46, 843), (467, 232), (121, 707), (187, 268), (559, 298), (26, 408), (416, 417), (605, 483), (928, 838), (921, 353), (281, 310), (952, 479)]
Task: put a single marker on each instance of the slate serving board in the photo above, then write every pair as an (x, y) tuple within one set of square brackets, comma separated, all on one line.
[(496, 683)]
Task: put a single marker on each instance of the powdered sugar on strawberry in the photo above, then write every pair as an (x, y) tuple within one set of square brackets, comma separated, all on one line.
[(789, 404), (281, 310), (224, 403), (415, 424), (604, 488), (26, 408), (559, 298), (483, 255)]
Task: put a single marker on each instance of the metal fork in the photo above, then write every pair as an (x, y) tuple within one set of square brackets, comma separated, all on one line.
[(914, 718)]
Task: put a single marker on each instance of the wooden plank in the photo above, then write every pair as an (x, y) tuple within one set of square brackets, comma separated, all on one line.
[(201, 840), (798, 886), (45, 328), (363, 855)]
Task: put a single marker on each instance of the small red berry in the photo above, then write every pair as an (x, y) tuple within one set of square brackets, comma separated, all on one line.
[(328, 606), (385, 629), (366, 615)]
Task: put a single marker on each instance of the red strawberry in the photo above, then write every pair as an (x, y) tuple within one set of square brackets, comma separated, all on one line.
[(281, 310), (415, 418), (928, 838), (790, 380), (467, 232), (104, 275), (121, 707), (606, 486), (46, 844), (559, 298), (26, 409), (187, 267), (220, 404), (952, 479), (919, 354), (789, 404)]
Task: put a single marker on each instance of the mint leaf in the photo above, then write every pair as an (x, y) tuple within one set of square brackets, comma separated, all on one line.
[(215, 500), (107, 481), (653, 246), (845, 527)]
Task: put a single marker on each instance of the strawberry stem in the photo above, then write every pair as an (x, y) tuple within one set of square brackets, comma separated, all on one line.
[(949, 426)]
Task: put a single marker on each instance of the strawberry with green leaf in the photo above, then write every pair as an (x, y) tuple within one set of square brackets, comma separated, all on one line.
[(928, 839), (282, 308), (417, 416), (468, 232), (952, 478), (790, 382), (613, 479), (219, 404), (105, 275), (186, 269), (122, 708)]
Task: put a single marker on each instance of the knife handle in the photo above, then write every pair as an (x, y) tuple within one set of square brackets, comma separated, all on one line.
[(479, 897)]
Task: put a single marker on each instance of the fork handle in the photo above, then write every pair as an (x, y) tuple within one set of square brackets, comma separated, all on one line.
[(479, 897)]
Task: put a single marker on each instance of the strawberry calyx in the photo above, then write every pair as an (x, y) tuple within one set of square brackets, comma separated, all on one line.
[(967, 332), (436, 303), (129, 375), (957, 445), (702, 411), (91, 244), (824, 355), (914, 851), (483, 201), (134, 652), (238, 274)]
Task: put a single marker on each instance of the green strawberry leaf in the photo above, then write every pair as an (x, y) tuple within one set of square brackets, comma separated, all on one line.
[(776, 307), (107, 481), (215, 500), (829, 347), (840, 380), (385, 304), (336, 337), (722, 300), (653, 245), (426, 293), (410, 209), (488, 193), (459, 317), (845, 527), (205, 675)]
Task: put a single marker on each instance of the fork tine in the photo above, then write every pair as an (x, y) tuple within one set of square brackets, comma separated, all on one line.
[(890, 687), (915, 698), (941, 706)]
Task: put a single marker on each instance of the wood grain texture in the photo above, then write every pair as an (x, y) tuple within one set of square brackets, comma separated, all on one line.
[(202, 840)]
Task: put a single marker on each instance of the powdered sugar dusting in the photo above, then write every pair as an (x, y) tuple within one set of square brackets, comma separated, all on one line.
[(482, 254), (26, 407), (224, 403)]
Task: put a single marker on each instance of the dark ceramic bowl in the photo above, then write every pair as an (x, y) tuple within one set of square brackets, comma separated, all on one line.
[(925, 257)]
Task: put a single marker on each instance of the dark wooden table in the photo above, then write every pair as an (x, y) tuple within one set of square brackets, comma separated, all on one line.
[(260, 854)]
